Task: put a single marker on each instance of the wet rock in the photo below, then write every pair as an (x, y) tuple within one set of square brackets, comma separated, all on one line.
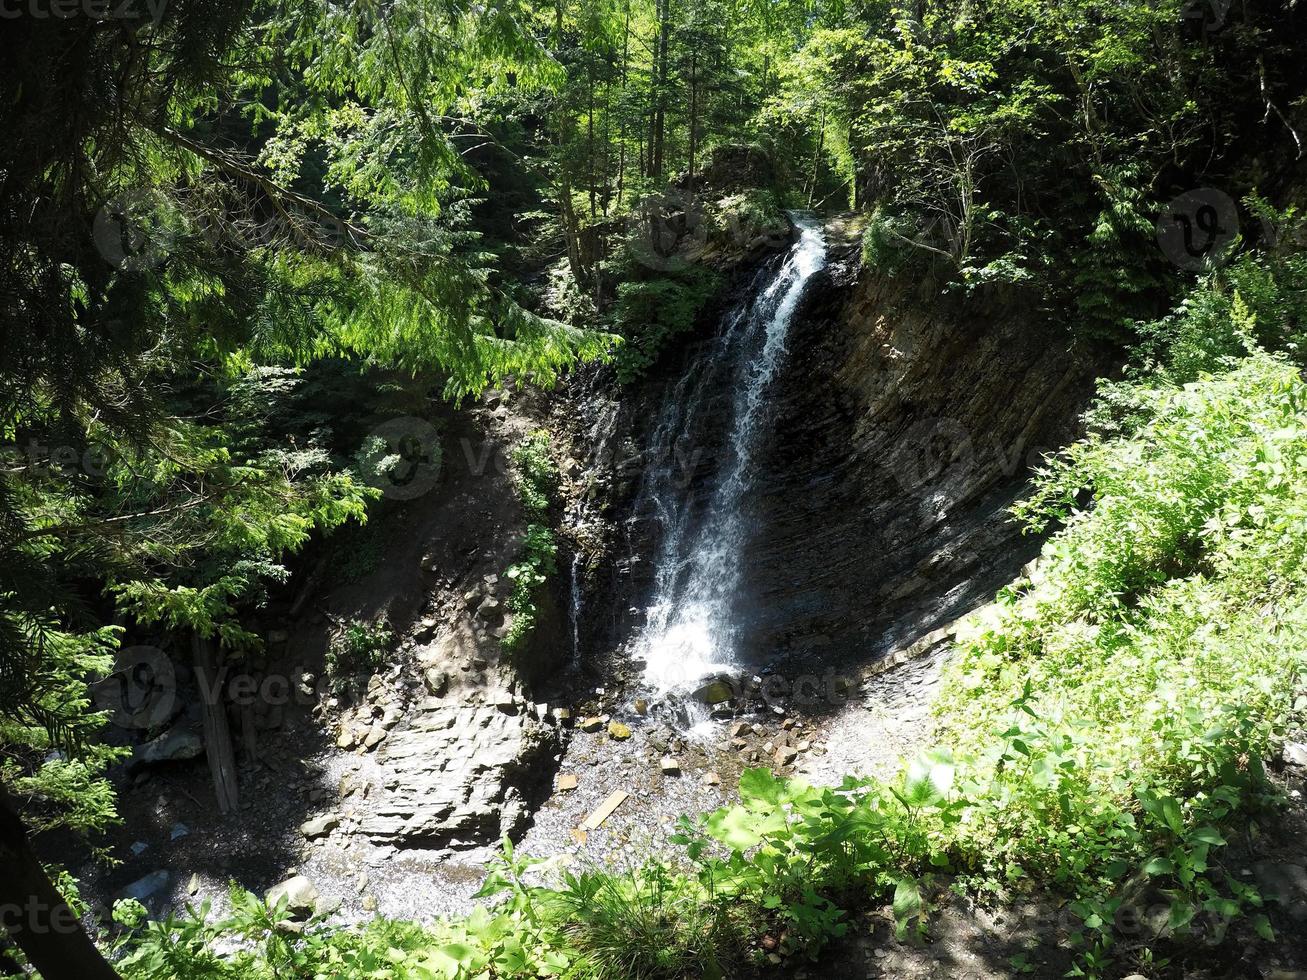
[(139, 848), (193, 886), (320, 826), (716, 691), (178, 831)]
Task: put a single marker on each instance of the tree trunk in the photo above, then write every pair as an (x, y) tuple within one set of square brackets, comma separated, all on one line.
[(659, 136), (217, 734), (36, 916), (694, 112)]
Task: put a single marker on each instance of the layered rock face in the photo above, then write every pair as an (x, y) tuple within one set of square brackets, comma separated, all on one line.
[(460, 775), (903, 429)]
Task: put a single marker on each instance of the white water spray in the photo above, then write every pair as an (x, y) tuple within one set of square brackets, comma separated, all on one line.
[(689, 633)]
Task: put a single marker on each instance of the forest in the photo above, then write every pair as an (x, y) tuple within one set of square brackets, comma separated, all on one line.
[(653, 489)]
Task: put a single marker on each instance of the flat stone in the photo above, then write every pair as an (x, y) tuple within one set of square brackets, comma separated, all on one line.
[(320, 826), (785, 755), (711, 779), (144, 889), (669, 766), (566, 782), (591, 724), (375, 736), (175, 745), (179, 830)]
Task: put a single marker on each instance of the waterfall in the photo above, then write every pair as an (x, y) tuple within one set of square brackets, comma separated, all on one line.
[(690, 632)]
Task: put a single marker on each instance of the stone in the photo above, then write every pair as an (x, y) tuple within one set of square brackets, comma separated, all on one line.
[(149, 887), (566, 782), (618, 731), (375, 736), (785, 755), (369, 903), (436, 681), (641, 707), (457, 776), (346, 739), (669, 766), (193, 886), (174, 745), (714, 692), (490, 609), (139, 848), (300, 894), (178, 831), (562, 715), (320, 826), (711, 779), (1295, 754), (591, 724), (740, 729)]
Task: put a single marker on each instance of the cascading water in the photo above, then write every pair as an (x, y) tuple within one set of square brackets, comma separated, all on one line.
[(690, 632)]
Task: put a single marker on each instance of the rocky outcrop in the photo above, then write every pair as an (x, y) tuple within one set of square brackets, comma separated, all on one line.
[(463, 775), (904, 427)]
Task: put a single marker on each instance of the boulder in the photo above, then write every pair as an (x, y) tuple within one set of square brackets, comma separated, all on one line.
[(716, 691), (301, 895), (174, 745)]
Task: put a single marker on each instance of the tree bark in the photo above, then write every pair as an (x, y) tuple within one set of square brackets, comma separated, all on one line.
[(217, 733), (36, 917)]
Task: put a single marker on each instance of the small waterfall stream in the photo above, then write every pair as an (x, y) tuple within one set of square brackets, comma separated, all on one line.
[(690, 632)]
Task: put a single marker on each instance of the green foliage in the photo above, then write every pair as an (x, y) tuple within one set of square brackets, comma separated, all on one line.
[(650, 313), (359, 647), (536, 477)]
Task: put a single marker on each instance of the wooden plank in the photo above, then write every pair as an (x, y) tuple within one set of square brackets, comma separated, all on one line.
[(605, 810)]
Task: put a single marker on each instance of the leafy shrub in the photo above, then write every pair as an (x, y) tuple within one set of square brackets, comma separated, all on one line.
[(359, 648), (536, 478), (652, 312)]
